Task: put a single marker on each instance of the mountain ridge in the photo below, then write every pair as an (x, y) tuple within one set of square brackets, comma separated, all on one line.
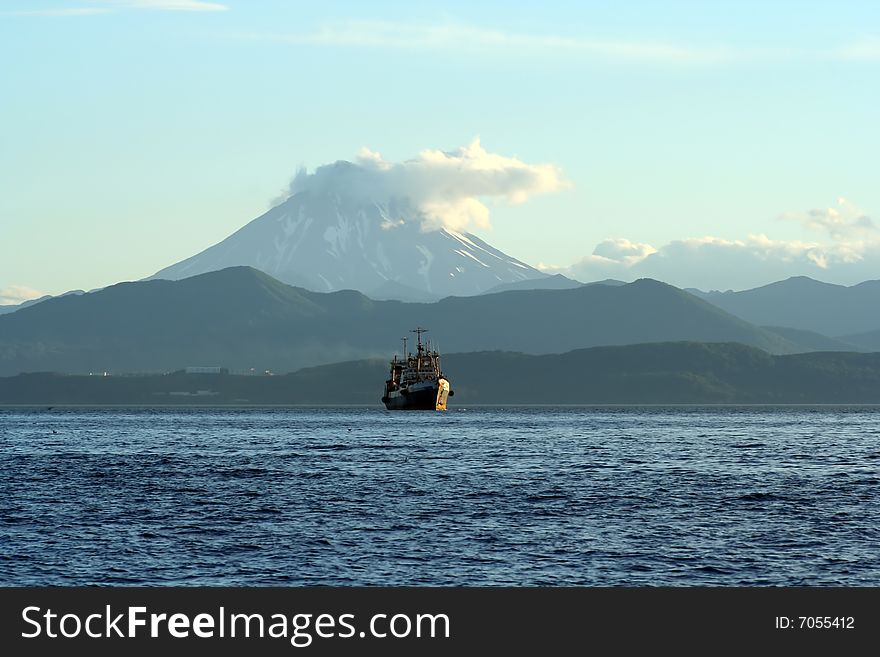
[(804, 303), (243, 318)]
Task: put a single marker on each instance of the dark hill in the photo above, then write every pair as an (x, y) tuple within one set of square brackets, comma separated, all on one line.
[(807, 304), (560, 320), (665, 373), (868, 341), (813, 341), (240, 318)]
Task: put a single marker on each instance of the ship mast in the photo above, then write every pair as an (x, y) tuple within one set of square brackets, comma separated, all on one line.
[(419, 350), (404, 338), (418, 331)]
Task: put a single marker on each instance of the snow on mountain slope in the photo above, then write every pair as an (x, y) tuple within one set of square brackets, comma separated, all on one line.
[(325, 241)]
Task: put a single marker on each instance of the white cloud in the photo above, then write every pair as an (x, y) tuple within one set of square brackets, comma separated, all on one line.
[(108, 6), (72, 11), (623, 251), (468, 38), (173, 5), (865, 50), (445, 187), (457, 37), (15, 294), (716, 263), (842, 223), (852, 255)]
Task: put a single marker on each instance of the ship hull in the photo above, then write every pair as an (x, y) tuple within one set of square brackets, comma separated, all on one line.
[(423, 399)]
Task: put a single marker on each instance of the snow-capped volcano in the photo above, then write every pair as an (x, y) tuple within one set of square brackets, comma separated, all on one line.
[(326, 241)]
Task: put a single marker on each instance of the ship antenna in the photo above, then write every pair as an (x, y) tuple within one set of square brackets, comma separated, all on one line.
[(418, 331)]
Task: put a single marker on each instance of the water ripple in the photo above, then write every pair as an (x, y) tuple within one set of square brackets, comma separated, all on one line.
[(506, 496)]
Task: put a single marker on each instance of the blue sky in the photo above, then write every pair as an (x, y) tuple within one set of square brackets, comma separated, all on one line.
[(707, 144)]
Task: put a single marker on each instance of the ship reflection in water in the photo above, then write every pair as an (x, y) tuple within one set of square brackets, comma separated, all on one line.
[(416, 382)]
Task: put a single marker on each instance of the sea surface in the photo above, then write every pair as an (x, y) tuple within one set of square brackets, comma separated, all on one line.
[(621, 496)]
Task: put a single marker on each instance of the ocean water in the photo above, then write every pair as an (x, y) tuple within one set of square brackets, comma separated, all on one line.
[(653, 496)]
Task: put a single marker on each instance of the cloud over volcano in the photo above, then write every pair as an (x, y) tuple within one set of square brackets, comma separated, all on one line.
[(447, 187)]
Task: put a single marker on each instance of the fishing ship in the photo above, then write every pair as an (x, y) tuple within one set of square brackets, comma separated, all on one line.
[(416, 382)]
